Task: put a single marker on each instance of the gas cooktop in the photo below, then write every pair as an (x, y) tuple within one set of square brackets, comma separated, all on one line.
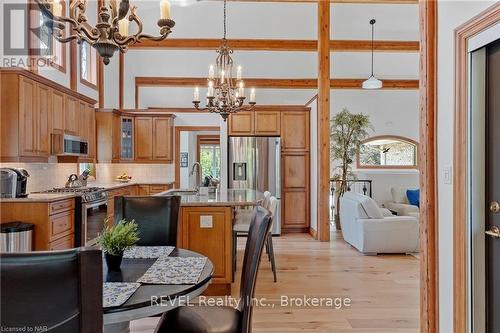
[(88, 194)]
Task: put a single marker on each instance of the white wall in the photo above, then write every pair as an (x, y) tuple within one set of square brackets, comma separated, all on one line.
[(451, 14)]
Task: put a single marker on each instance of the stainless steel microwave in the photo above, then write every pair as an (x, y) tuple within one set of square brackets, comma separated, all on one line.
[(64, 144)]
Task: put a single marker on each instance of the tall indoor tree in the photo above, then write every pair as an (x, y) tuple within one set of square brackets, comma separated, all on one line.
[(347, 132)]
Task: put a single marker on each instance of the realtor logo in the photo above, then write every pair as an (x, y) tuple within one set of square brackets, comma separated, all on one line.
[(18, 41)]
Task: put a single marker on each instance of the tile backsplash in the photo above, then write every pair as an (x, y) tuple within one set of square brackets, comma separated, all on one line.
[(44, 176), (141, 173)]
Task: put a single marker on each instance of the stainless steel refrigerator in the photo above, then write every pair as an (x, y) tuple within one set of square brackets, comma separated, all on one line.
[(254, 163)]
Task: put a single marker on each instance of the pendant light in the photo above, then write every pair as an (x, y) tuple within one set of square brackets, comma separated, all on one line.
[(372, 82)]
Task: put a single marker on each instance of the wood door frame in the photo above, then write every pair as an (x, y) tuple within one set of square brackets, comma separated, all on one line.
[(178, 130), (463, 33), (429, 264)]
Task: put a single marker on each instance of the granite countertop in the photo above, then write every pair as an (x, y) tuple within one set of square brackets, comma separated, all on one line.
[(41, 197), (51, 197), (230, 197), (116, 185)]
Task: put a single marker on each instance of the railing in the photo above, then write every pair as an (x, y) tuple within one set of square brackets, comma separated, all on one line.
[(363, 186)]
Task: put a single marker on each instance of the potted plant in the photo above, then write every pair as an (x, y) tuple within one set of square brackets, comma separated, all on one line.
[(114, 240), (347, 131)]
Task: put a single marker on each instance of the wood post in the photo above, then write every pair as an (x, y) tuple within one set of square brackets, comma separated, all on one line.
[(323, 121)]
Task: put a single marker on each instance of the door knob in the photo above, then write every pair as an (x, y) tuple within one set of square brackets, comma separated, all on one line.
[(494, 232), (495, 207)]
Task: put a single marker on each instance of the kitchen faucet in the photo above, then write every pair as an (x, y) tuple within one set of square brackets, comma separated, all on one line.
[(199, 171)]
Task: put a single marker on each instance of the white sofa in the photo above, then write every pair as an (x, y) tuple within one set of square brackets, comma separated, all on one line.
[(400, 204), (374, 230)]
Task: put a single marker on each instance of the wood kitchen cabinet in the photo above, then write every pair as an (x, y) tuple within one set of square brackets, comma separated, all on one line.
[(295, 191), (255, 123), (295, 131), (27, 116), (143, 138), (208, 231), (267, 123), (153, 139), (71, 108), (54, 222), (57, 111), (34, 108), (87, 132), (108, 138), (241, 124)]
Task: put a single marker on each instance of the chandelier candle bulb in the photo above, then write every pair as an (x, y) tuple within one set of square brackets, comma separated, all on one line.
[(241, 90), (123, 27), (196, 94), (238, 73), (211, 72), (252, 96), (57, 8), (222, 74), (210, 92), (165, 9)]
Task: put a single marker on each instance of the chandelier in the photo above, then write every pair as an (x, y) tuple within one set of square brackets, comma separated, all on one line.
[(224, 94), (111, 31)]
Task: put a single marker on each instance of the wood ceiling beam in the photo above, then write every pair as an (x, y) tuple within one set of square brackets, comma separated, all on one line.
[(280, 45), (390, 2), (273, 83)]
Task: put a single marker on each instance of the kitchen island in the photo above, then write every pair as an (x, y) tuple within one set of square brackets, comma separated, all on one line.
[(206, 225)]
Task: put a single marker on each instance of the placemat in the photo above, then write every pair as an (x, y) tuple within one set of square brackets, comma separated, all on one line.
[(117, 293), (174, 270), (147, 252)]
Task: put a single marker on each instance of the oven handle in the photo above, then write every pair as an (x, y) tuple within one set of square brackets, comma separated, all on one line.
[(95, 204)]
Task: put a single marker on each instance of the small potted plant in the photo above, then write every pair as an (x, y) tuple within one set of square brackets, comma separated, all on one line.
[(114, 240)]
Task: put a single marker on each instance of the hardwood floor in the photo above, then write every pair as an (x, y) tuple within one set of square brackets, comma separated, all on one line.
[(384, 289)]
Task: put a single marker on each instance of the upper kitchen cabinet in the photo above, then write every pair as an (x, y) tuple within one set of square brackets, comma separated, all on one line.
[(255, 123), (58, 98), (143, 138), (33, 108), (267, 123), (134, 136), (108, 132), (162, 139), (153, 139), (295, 131), (241, 124), (86, 117), (71, 109)]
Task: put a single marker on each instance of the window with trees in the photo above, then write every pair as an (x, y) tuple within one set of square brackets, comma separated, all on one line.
[(209, 155), (385, 152)]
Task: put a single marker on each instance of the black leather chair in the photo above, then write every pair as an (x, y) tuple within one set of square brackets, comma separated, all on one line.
[(203, 319), (58, 291), (156, 217)]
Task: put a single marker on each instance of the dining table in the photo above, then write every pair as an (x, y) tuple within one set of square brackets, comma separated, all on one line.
[(150, 299)]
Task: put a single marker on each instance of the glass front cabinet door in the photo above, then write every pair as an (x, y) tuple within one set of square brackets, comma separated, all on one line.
[(127, 139)]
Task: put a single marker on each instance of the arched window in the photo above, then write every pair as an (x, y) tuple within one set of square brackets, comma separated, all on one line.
[(388, 152)]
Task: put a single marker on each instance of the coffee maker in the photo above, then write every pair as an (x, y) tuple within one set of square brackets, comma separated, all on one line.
[(13, 182)]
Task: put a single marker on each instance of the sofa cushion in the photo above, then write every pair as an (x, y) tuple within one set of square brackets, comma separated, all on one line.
[(399, 195), (413, 197), (370, 207)]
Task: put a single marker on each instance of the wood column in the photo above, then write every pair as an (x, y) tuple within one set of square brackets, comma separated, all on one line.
[(427, 165), (323, 120)]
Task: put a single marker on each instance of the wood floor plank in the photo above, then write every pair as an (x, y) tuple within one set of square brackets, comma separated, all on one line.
[(384, 289)]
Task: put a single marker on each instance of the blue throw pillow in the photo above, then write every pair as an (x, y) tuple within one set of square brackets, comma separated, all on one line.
[(413, 197)]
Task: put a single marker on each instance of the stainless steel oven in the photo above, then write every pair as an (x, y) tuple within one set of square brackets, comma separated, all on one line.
[(93, 216)]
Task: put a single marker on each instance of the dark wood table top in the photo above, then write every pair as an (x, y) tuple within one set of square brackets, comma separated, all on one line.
[(133, 269)]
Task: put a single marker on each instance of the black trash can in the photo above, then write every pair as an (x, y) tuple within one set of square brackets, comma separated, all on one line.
[(16, 236)]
